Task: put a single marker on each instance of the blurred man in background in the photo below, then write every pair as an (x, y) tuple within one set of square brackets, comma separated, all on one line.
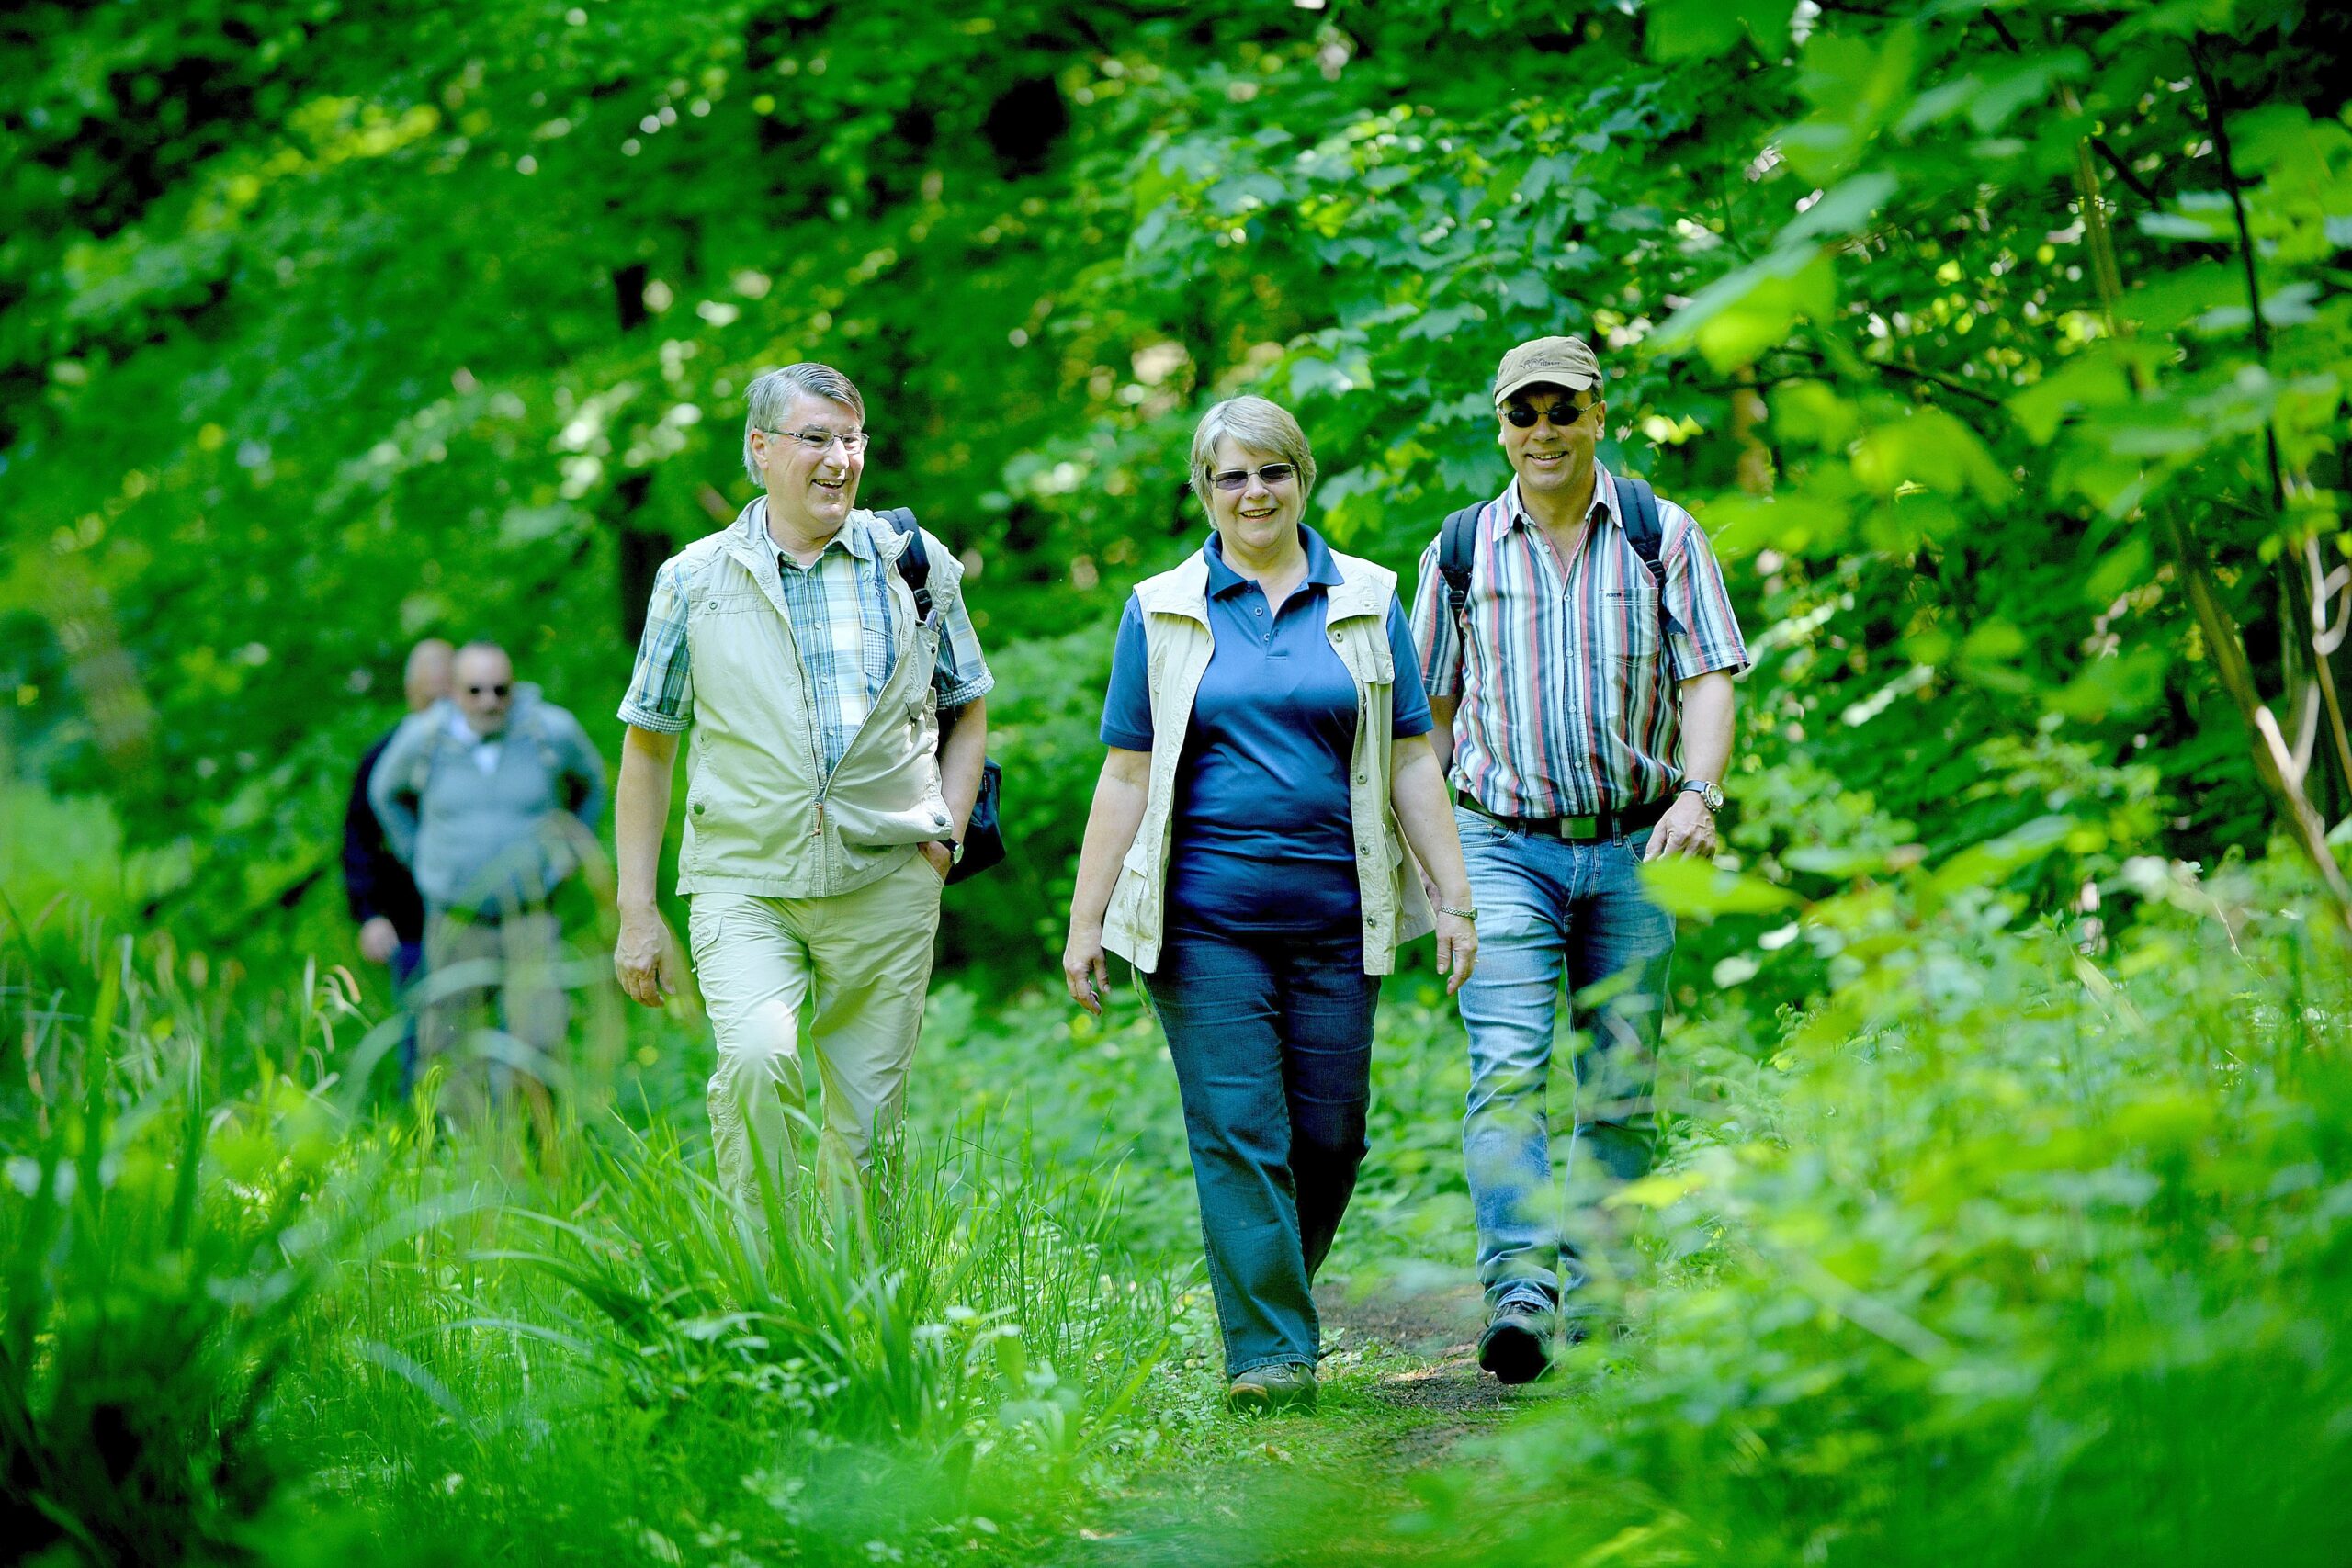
[(491, 795), (384, 902)]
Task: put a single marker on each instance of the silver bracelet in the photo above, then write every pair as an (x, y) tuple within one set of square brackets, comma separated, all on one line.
[(1470, 914)]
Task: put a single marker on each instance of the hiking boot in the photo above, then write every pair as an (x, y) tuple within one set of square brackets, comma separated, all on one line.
[(1264, 1390), (1516, 1345)]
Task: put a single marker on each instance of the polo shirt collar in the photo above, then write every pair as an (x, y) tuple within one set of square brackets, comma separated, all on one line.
[(1514, 511), (1322, 571)]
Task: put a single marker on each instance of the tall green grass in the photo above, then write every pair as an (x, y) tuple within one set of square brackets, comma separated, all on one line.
[(2024, 1243), (2016, 1243), (247, 1313)]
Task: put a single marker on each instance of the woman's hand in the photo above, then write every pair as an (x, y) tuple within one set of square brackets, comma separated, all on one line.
[(1085, 970), (1457, 948)]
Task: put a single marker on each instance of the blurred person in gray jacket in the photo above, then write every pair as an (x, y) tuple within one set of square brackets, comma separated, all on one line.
[(491, 795)]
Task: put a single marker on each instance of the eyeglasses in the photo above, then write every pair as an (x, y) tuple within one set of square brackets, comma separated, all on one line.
[(817, 443), (498, 691), (1563, 414), (1233, 481)]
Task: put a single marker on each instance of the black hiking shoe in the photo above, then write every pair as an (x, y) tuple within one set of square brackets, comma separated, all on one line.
[(1516, 1345)]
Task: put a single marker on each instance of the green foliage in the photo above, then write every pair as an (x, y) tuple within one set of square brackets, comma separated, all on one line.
[(1981, 338), (2002, 1256), (149, 1312), (382, 327), (243, 1320)]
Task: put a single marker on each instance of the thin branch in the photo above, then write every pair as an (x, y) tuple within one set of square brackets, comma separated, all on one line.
[(2323, 642), (2098, 143), (2307, 597), (1818, 362), (1946, 383), (2273, 764), (2132, 181), (2217, 127)]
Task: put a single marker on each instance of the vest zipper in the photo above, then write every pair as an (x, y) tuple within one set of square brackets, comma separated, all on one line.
[(816, 738), (816, 735)]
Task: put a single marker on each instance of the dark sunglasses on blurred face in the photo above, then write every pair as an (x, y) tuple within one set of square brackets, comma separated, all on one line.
[(498, 691), (1563, 414), (1237, 480)]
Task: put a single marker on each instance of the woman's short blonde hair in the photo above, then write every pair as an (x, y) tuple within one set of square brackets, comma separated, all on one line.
[(1258, 426)]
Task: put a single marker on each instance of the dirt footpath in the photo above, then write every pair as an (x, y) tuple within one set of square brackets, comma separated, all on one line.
[(1401, 1393)]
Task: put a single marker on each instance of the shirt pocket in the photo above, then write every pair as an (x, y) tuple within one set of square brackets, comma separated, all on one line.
[(1630, 623)]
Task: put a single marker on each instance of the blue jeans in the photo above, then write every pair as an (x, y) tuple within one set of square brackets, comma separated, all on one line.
[(1271, 1042), (1550, 910)]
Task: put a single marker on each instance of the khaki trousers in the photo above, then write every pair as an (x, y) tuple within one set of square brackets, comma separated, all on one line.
[(844, 978), (494, 1004)]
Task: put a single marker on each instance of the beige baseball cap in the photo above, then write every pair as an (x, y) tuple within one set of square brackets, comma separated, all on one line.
[(1547, 361)]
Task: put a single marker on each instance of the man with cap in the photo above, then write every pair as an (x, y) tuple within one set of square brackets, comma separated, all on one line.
[(1581, 676)]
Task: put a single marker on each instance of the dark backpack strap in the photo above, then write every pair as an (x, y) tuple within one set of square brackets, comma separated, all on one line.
[(1457, 544), (1648, 536), (914, 561)]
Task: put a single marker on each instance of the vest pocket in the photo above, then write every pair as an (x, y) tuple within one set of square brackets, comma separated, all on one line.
[(1123, 917), (735, 602), (1138, 857)]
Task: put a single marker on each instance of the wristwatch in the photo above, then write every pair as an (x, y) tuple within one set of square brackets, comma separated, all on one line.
[(954, 851), (1710, 794)]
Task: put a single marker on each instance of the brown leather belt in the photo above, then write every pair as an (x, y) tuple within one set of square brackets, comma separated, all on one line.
[(1606, 823)]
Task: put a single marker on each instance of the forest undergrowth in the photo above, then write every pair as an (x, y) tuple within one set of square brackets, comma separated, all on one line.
[(2018, 1243)]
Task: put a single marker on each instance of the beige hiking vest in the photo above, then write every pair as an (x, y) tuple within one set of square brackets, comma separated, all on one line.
[(760, 818), (1178, 640)]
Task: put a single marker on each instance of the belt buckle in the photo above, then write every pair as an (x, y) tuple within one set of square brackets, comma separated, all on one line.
[(1578, 829)]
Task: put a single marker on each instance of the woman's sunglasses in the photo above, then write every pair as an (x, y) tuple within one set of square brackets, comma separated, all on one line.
[(1232, 479)]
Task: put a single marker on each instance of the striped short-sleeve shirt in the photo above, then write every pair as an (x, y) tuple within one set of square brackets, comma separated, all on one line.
[(1567, 681), (839, 610)]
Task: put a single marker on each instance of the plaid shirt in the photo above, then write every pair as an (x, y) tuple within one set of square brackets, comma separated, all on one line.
[(839, 612), (1568, 687)]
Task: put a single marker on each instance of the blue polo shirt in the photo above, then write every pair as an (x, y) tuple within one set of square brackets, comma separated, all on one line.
[(1264, 840)]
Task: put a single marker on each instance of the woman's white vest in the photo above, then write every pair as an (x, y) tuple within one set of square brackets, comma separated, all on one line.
[(761, 817), (1177, 637)]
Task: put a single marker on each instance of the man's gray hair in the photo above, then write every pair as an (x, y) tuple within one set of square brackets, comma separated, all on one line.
[(767, 398), (1258, 426)]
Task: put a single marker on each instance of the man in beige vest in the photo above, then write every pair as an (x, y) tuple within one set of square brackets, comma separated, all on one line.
[(823, 807)]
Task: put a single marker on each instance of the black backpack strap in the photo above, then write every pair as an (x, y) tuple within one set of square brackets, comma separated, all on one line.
[(1648, 536), (914, 561), (1457, 545)]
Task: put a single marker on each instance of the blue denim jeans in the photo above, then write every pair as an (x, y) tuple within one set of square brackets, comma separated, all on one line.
[(1271, 1042), (1548, 911)]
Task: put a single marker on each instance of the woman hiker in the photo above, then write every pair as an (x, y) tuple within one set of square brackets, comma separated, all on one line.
[(1268, 750)]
